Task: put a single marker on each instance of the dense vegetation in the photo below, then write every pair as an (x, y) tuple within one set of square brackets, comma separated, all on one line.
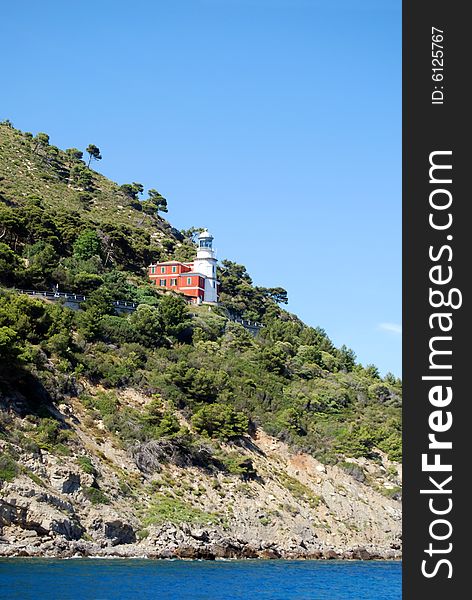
[(63, 224)]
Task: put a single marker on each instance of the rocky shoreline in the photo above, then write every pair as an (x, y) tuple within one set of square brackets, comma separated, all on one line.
[(117, 539), (33, 547)]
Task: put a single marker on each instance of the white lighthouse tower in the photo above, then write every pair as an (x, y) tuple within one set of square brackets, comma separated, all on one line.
[(205, 263)]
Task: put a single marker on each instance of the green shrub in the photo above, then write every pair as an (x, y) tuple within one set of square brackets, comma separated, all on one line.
[(237, 464), (354, 470), (86, 465), (9, 264), (8, 468), (148, 325), (106, 403), (330, 362), (395, 493), (18, 438), (87, 282), (117, 329), (173, 311), (172, 510), (95, 495), (51, 436), (88, 244), (289, 419), (142, 534), (198, 384), (127, 424), (159, 421), (300, 491), (8, 343), (220, 421), (392, 446), (380, 391)]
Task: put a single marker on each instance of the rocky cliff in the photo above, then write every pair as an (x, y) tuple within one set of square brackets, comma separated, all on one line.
[(159, 500)]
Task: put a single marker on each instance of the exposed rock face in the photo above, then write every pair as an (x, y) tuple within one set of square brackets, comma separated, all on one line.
[(65, 481), (170, 506), (118, 532), (40, 517)]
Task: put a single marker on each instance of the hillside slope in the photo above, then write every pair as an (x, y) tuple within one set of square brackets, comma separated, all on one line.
[(170, 431)]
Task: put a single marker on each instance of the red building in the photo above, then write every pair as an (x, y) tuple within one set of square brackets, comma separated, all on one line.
[(195, 280), (177, 276)]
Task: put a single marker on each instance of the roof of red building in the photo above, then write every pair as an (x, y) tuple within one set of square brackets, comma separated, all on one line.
[(170, 262)]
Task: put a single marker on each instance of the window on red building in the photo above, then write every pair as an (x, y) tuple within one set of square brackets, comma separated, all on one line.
[(173, 282), (162, 282)]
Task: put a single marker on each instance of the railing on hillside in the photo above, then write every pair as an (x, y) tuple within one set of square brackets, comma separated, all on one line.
[(46, 294), (246, 322), (125, 304), (68, 296)]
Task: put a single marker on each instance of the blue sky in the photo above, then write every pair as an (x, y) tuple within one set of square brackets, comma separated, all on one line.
[(274, 123)]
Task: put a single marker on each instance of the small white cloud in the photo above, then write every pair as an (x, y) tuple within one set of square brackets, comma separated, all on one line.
[(391, 327)]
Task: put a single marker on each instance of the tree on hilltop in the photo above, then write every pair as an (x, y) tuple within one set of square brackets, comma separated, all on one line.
[(155, 203), (94, 152), (41, 141), (347, 358), (132, 190), (277, 294), (74, 155)]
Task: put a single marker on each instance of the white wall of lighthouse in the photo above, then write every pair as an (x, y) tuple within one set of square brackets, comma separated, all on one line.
[(205, 263)]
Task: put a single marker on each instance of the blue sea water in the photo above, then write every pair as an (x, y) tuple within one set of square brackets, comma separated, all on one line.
[(118, 579)]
